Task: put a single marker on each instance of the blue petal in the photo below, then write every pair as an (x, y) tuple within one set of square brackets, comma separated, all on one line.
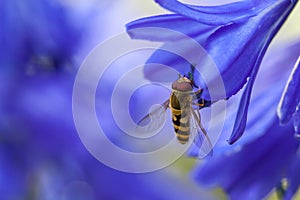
[(296, 120), (270, 83), (217, 15), (291, 96), (174, 22), (241, 119), (173, 27), (246, 42), (253, 171)]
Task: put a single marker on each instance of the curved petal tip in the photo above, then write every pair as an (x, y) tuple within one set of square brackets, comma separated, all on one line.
[(291, 96)]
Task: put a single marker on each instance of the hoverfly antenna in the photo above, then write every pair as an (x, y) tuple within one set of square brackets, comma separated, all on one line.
[(193, 66), (191, 75)]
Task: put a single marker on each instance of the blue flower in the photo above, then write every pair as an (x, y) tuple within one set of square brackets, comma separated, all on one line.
[(38, 36), (257, 168), (253, 170), (41, 154), (235, 35)]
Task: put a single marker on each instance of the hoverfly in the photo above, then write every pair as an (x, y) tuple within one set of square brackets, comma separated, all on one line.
[(186, 120)]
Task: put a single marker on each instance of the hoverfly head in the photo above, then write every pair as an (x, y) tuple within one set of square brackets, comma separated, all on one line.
[(182, 84)]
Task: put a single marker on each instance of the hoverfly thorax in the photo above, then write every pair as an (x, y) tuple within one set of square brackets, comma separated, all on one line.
[(180, 97), (180, 105)]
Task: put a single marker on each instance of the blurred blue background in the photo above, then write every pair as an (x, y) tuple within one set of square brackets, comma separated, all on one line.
[(43, 44), (41, 156)]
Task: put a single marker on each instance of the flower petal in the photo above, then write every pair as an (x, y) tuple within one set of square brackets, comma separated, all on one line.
[(242, 171), (241, 119), (246, 47), (173, 28), (291, 96), (174, 22), (246, 41), (296, 118), (217, 15)]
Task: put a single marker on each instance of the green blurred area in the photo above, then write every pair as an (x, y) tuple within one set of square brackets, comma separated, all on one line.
[(290, 31)]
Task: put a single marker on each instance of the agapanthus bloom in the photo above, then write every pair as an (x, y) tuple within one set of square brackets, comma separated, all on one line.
[(235, 35), (38, 36), (261, 165)]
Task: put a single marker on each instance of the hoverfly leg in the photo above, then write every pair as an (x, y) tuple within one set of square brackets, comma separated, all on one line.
[(201, 104), (196, 95), (198, 92), (200, 124)]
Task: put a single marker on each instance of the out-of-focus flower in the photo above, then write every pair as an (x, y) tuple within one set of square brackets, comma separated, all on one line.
[(235, 35), (38, 36), (253, 170), (38, 41), (41, 155)]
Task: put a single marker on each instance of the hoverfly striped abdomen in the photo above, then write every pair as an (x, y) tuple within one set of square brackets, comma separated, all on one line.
[(180, 105)]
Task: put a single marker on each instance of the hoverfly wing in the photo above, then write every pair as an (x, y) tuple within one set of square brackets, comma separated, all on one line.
[(202, 145), (153, 121)]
